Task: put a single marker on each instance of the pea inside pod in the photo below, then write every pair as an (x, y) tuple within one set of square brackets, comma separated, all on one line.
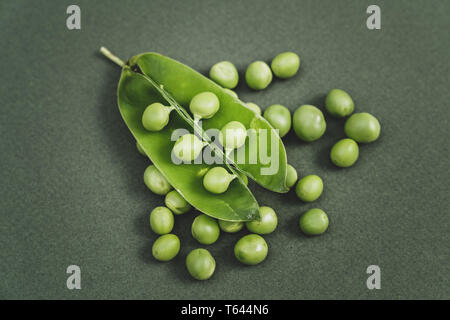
[(156, 116), (204, 105), (188, 147), (232, 135), (217, 180)]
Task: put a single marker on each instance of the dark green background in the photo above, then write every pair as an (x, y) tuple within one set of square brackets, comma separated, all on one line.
[(71, 178)]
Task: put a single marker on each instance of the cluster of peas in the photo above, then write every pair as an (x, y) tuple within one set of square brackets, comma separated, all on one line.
[(309, 125)]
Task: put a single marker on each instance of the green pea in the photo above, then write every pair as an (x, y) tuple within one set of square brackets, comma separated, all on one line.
[(258, 75), (166, 247), (233, 135), (344, 153), (230, 226), (244, 177), (279, 117), (175, 202), (140, 149), (225, 74), (204, 105), (156, 116), (314, 222), (200, 264), (309, 188), (285, 65), (205, 229), (267, 223), (161, 220), (188, 147), (254, 107), (309, 123), (217, 180), (362, 127), (339, 103), (155, 181), (291, 177), (251, 249), (234, 94)]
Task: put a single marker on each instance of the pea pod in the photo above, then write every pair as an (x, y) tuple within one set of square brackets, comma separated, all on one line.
[(182, 83)]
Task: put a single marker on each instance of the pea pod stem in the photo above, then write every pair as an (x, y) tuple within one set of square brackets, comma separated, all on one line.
[(112, 57)]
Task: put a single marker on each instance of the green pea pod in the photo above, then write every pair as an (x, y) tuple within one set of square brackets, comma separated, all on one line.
[(135, 93), (182, 83)]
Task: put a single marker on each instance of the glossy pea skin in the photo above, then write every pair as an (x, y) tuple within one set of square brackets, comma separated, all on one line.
[(344, 153), (339, 103), (188, 147), (258, 75), (233, 135), (362, 127), (175, 202), (217, 180), (204, 105), (230, 226), (309, 123), (291, 177), (251, 249), (205, 229), (279, 117), (225, 74), (200, 264), (285, 65), (155, 181), (156, 116), (161, 220), (309, 188), (254, 107), (234, 94), (166, 247), (314, 222), (267, 223)]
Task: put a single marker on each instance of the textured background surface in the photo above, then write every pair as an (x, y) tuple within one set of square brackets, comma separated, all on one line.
[(71, 178)]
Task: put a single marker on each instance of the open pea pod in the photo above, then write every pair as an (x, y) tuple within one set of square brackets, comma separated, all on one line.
[(135, 93), (263, 157)]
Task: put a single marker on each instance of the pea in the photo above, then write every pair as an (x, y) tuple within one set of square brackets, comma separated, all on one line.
[(244, 177), (140, 149), (204, 105), (292, 176), (251, 249), (175, 202), (225, 74), (258, 75), (314, 222), (339, 103), (344, 153), (161, 220), (279, 117), (309, 123), (309, 188), (217, 180), (230, 226), (254, 107), (285, 65), (362, 127), (232, 135), (188, 147), (267, 223), (234, 94), (200, 264), (166, 247), (155, 181), (156, 116), (205, 229)]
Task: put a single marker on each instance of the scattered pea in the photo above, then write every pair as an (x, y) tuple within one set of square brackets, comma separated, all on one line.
[(217, 180), (254, 107), (161, 220), (362, 127), (204, 105), (339, 103), (251, 249), (309, 188), (225, 74), (230, 226), (344, 153), (232, 135), (166, 247), (155, 181), (205, 229), (309, 123), (258, 75), (156, 116), (279, 117), (291, 177), (314, 222), (175, 202), (200, 264), (267, 223), (188, 147), (233, 93), (285, 65)]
